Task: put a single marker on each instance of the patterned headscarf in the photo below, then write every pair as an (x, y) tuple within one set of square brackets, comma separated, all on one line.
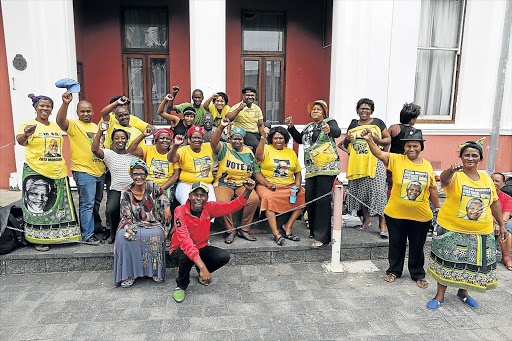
[(138, 163), (478, 145), (236, 130), (157, 133), (37, 99)]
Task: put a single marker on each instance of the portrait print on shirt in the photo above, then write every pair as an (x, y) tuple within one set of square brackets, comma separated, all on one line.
[(203, 167), (52, 147), (159, 168), (414, 184), (473, 203), (40, 194), (281, 168)]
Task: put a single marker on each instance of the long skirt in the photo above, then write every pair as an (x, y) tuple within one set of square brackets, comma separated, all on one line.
[(279, 200), (462, 260), (371, 191), (48, 209), (143, 257)]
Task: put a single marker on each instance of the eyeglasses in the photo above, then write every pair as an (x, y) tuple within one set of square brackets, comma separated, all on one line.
[(139, 175)]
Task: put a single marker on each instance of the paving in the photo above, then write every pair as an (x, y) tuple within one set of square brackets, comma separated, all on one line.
[(248, 302)]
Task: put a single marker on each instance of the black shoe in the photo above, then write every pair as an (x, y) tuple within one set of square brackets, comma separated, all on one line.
[(93, 240)]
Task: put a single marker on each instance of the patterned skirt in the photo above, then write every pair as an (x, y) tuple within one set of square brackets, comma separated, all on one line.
[(371, 191), (462, 260), (143, 257)]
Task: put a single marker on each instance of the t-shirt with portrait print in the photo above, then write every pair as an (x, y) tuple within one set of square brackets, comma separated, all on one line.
[(196, 166), (467, 208), (160, 169), (410, 193), (279, 166), (234, 167), (83, 160), (43, 152)]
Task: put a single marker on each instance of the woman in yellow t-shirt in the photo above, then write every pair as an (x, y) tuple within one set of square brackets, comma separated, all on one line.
[(280, 167), (195, 162), (408, 215), (217, 105), (463, 245), (160, 169), (48, 209)]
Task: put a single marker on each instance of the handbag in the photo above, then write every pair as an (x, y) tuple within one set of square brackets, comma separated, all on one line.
[(323, 155)]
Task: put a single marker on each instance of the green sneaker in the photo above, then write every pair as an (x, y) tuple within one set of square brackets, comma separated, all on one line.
[(178, 294), (201, 281)]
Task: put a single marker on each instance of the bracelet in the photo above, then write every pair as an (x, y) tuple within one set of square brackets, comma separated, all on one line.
[(263, 138)]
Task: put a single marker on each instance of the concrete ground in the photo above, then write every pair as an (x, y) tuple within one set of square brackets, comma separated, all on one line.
[(256, 302)]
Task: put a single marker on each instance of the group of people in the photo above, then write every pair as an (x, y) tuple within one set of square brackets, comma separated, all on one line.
[(215, 160)]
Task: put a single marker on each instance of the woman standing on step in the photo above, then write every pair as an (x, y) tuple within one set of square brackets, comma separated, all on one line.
[(48, 209), (408, 215), (463, 245)]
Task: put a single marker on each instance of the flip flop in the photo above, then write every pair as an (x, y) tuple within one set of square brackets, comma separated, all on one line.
[(390, 278), (127, 282), (507, 261), (384, 234), (363, 227), (422, 283), (291, 236), (317, 245), (42, 248)]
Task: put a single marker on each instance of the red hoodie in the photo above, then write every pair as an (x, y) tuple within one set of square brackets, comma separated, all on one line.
[(192, 233)]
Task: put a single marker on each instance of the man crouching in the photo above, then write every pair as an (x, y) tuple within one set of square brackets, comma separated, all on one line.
[(189, 243)]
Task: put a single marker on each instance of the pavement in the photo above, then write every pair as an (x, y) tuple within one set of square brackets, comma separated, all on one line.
[(249, 302)]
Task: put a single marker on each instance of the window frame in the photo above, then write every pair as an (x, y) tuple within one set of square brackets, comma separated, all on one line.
[(448, 119), (262, 57)]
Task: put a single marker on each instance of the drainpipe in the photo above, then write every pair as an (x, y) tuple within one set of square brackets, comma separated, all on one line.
[(500, 88)]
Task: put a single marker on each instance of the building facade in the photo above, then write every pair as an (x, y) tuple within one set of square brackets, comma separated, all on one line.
[(443, 55)]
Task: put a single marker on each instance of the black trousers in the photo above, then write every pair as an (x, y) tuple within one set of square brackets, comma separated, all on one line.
[(213, 257), (252, 140), (319, 212), (113, 212), (401, 230)]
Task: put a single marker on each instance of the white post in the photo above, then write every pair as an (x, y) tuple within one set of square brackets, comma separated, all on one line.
[(335, 265), (208, 45)]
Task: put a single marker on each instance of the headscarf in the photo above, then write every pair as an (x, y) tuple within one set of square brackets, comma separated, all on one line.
[(157, 133), (478, 145), (138, 163), (237, 130), (37, 99)]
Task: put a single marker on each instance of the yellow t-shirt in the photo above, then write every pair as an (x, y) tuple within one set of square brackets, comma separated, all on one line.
[(410, 193), (43, 152), (467, 208), (278, 166), (215, 113), (247, 118), (83, 160), (196, 166), (133, 132), (134, 121), (361, 162), (160, 170)]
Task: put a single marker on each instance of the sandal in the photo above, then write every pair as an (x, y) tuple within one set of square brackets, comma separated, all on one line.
[(363, 227), (278, 238), (422, 283), (384, 233), (390, 278), (317, 245), (230, 237), (507, 261), (292, 237), (42, 248), (127, 282)]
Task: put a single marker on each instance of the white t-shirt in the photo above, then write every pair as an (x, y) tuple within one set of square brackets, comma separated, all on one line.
[(119, 166)]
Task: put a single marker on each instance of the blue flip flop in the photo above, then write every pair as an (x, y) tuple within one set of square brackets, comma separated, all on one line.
[(433, 304), (468, 300)]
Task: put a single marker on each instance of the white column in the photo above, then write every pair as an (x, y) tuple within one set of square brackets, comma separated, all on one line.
[(43, 33), (208, 45)]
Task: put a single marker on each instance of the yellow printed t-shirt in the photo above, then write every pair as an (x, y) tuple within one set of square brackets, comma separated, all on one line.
[(410, 193), (132, 131), (196, 166), (467, 208), (234, 167), (83, 160), (160, 170), (215, 113), (279, 166), (247, 118), (43, 152), (361, 162)]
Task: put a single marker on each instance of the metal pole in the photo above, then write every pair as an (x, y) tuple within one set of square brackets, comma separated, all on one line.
[(500, 88), (335, 265)]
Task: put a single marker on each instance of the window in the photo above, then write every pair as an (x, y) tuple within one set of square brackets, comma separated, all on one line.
[(263, 61), (438, 58), (146, 60)]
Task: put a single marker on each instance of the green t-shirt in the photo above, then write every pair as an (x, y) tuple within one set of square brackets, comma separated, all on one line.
[(234, 167), (199, 112)]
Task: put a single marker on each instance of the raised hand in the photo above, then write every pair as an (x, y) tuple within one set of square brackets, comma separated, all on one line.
[(29, 130), (67, 97), (147, 132), (224, 122), (266, 130), (242, 105), (289, 121), (169, 97), (123, 100), (102, 127), (178, 140), (175, 89)]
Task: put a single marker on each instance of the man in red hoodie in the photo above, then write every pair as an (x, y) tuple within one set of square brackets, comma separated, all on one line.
[(189, 242)]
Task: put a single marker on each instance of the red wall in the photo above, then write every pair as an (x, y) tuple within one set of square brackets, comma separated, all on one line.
[(307, 63), (98, 40), (7, 133)]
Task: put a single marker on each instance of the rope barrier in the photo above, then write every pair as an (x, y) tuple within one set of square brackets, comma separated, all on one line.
[(7, 145)]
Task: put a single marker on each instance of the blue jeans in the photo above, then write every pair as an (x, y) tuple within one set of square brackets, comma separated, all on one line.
[(90, 194)]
